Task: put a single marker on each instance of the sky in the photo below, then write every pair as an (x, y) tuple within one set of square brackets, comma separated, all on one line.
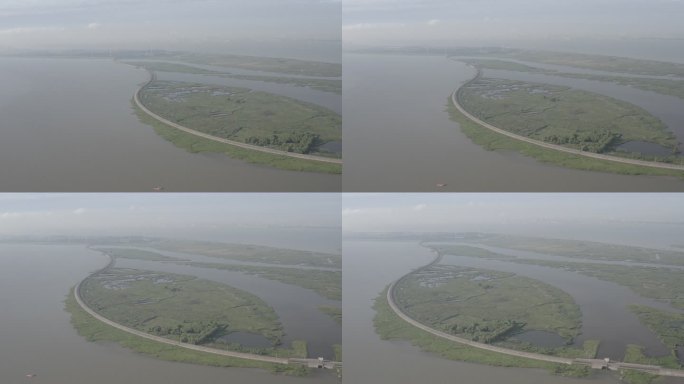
[(508, 22), (193, 215), (656, 219), (302, 26)]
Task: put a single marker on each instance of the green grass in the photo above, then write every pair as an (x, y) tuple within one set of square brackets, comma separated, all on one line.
[(486, 306), (138, 254), (95, 331), (326, 283), (325, 85), (465, 250), (334, 312), (493, 141), (391, 327), (251, 253), (561, 115), (244, 115), (663, 86), (668, 326), (582, 249), (195, 144), (180, 307)]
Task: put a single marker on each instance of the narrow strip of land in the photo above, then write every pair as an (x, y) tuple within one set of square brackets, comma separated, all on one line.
[(594, 363), (240, 355), (457, 93), (136, 98)]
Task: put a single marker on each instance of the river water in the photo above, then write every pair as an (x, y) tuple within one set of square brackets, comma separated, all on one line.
[(395, 120), (68, 125), (369, 266), (36, 336)]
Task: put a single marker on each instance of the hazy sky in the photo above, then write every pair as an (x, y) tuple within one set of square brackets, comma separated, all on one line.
[(557, 215), (185, 215), (500, 22), (169, 24)]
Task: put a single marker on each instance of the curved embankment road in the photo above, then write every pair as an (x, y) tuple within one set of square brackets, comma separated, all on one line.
[(136, 98), (594, 363), (457, 93), (239, 355)]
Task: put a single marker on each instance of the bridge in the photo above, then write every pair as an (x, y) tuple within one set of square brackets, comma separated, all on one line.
[(593, 363)]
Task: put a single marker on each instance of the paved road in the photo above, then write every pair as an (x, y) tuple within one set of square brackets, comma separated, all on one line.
[(140, 105), (594, 363), (651, 164)]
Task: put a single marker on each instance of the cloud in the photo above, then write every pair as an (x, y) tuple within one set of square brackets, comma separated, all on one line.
[(351, 211), (79, 211), (433, 22), (94, 25)]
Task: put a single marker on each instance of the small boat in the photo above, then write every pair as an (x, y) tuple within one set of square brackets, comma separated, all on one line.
[(31, 375), (158, 188), (441, 185)]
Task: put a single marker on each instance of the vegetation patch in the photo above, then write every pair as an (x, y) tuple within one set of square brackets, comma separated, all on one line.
[(486, 306), (564, 116), (390, 326), (669, 327), (97, 331), (182, 308), (326, 283), (334, 312), (246, 116), (251, 253), (196, 144), (494, 141)]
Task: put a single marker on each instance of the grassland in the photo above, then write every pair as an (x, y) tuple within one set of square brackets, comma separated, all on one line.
[(182, 308), (563, 116), (326, 283), (96, 331), (266, 64), (391, 327), (486, 306), (334, 312), (195, 144), (137, 254), (493, 141), (251, 253), (581, 249), (465, 250), (244, 115), (325, 85), (668, 326), (670, 87)]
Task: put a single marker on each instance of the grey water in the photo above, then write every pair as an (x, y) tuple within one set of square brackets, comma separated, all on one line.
[(395, 120), (369, 266), (68, 125), (37, 338), (297, 308)]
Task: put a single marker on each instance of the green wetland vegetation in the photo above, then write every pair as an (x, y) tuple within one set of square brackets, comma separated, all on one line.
[(493, 141), (564, 116), (486, 306), (180, 308), (391, 327), (250, 253), (244, 115), (325, 85), (96, 331), (195, 144)]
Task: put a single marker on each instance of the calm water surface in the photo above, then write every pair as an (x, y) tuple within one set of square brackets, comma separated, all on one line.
[(395, 121), (36, 336), (68, 125)]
